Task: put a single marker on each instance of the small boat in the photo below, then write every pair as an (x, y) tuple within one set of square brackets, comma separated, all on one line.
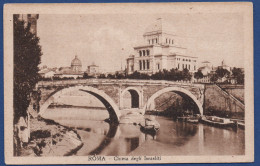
[(150, 126), (217, 121), (183, 118), (193, 120)]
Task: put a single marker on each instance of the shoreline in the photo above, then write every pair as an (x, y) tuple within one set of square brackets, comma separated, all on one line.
[(49, 138)]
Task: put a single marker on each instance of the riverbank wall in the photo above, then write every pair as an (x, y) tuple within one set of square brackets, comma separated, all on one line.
[(220, 102)]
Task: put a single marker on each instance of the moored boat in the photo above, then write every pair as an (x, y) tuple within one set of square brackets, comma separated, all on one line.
[(217, 121), (193, 120), (150, 126)]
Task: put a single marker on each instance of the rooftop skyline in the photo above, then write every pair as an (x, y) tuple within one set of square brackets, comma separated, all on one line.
[(103, 39)]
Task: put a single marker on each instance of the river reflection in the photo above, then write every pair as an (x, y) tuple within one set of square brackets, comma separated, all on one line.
[(173, 138)]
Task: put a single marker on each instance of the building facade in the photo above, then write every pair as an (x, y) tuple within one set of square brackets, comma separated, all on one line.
[(93, 70), (161, 50)]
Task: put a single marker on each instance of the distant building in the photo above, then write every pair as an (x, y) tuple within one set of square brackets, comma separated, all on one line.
[(46, 73), (161, 50), (73, 71), (29, 19), (76, 65), (224, 66), (205, 68), (93, 70)]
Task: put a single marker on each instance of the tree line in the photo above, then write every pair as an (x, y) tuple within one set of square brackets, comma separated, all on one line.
[(236, 73), (172, 75)]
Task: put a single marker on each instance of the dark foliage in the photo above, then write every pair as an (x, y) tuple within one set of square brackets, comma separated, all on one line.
[(198, 74), (222, 73), (40, 134), (27, 57), (238, 74), (63, 78), (86, 76), (172, 75)]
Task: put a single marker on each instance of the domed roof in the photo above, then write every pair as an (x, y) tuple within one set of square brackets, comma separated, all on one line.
[(160, 26), (76, 61)]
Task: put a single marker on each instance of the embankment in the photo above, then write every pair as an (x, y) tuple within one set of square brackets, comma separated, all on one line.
[(49, 138)]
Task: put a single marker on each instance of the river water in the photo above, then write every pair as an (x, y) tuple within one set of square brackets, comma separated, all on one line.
[(173, 138)]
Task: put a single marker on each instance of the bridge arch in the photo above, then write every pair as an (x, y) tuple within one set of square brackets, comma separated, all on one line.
[(181, 91), (114, 113), (136, 97)]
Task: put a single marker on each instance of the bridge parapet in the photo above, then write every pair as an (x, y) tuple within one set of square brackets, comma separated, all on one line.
[(116, 82)]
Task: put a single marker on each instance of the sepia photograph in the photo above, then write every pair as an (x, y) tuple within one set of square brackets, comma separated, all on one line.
[(128, 83)]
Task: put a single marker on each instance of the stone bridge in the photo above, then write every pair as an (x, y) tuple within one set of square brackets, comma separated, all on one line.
[(110, 92)]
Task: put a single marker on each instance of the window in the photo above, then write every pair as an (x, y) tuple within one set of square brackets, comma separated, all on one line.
[(156, 40), (147, 52), (143, 64), (194, 67), (149, 41), (189, 67), (152, 41), (166, 40), (143, 52), (132, 68), (140, 53), (182, 66), (172, 41), (158, 66), (148, 64), (178, 66), (140, 65)]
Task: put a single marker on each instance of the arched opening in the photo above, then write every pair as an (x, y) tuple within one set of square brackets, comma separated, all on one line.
[(109, 104), (131, 98), (190, 101)]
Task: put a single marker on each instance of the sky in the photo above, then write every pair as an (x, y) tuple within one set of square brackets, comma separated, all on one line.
[(107, 40)]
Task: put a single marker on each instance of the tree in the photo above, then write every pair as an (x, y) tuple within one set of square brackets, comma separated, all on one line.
[(27, 57), (86, 76), (102, 76), (214, 78), (186, 75), (238, 74), (198, 74), (222, 72), (119, 75)]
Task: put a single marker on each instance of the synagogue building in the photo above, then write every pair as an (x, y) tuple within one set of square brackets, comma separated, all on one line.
[(161, 50)]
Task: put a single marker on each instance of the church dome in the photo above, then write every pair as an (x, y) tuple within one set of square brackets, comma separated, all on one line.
[(160, 26), (76, 61)]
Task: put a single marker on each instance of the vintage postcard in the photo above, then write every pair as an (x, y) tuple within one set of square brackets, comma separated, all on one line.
[(121, 83)]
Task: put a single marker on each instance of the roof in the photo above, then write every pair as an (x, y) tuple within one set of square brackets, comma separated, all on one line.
[(44, 71), (201, 68), (160, 26), (93, 65), (68, 72), (182, 55)]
